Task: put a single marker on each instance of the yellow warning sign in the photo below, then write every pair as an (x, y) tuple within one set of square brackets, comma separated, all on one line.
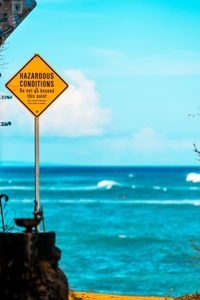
[(36, 85)]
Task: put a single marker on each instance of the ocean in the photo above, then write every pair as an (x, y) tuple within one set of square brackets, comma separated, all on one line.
[(123, 230)]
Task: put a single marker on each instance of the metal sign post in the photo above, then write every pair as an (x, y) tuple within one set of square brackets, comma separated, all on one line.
[(37, 211), (36, 85)]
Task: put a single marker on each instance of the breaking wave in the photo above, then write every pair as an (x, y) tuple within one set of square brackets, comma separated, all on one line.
[(108, 184), (193, 177)]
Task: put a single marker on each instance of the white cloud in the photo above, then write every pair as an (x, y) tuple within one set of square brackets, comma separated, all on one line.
[(148, 146), (77, 112), (148, 142)]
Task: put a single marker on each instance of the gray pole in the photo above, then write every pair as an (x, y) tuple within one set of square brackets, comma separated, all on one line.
[(37, 171)]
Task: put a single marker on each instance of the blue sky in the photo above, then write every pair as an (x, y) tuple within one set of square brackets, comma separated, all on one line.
[(133, 67)]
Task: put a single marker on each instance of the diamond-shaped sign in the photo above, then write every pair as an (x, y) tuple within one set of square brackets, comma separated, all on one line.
[(12, 13), (37, 85)]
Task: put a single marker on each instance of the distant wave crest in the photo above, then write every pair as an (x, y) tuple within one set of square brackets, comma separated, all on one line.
[(193, 177), (108, 184)]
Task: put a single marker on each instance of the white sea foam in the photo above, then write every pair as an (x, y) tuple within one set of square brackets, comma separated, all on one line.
[(193, 177), (130, 175), (122, 236), (16, 187), (52, 188), (22, 200), (194, 188), (124, 202), (108, 184), (76, 188), (26, 201), (169, 202), (84, 188), (157, 188), (47, 188)]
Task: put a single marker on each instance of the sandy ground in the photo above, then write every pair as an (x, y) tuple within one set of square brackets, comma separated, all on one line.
[(91, 296)]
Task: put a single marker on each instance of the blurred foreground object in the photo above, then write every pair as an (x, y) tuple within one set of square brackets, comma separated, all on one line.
[(12, 13), (29, 267)]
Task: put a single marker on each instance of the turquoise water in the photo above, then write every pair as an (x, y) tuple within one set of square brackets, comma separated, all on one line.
[(121, 230)]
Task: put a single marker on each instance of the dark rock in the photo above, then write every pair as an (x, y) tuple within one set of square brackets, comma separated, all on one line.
[(29, 267)]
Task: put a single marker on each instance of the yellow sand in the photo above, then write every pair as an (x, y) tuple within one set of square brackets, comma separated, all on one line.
[(91, 296)]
